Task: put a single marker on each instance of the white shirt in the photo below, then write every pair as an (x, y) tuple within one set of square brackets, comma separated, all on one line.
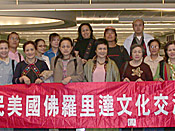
[(128, 42)]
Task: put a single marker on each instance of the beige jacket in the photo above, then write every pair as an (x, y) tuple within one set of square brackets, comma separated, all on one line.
[(77, 76), (112, 72)]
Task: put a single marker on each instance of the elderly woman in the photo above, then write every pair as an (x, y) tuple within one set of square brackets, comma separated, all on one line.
[(136, 69), (101, 68), (154, 58)]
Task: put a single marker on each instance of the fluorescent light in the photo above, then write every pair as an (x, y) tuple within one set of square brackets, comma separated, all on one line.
[(95, 18)]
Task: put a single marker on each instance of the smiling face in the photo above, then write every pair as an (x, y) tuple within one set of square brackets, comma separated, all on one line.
[(4, 50), (65, 48), (101, 51), (85, 32), (30, 51), (171, 51), (137, 53), (110, 35), (41, 47)]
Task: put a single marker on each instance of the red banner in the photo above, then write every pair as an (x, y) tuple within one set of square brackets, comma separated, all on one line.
[(88, 105)]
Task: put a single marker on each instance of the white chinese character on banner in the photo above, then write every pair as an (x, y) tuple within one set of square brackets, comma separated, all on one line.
[(87, 105), (51, 105), (144, 102), (106, 105), (14, 105), (33, 105), (174, 105), (161, 108), (69, 106), (124, 108), (1, 106)]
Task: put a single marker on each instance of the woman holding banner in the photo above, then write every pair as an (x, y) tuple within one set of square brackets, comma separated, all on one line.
[(166, 67), (136, 69), (7, 66), (28, 71), (101, 68)]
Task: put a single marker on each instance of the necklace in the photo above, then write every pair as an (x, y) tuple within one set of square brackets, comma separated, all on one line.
[(172, 69), (100, 63)]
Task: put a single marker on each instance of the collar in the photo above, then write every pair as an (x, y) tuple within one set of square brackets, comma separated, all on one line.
[(134, 36), (50, 50), (157, 59), (95, 59), (32, 63), (12, 52), (71, 58), (5, 62)]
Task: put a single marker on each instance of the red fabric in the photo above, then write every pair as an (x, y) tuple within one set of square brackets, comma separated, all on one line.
[(115, 89), (166, 74)]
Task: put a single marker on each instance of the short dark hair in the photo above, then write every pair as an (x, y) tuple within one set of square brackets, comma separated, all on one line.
[(4, 41), (27, 43), (8, 37), (37, 41), (137, 45), (51, 36), (154, 40), (101, 41), (80, 37), (166, 48)]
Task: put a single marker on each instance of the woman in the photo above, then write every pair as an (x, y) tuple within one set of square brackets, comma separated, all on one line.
[(166, 68), (66, 67), (40, 50), (54, 39), (85, 42), (136, 69), (101, 68), (154, 58), (28, 71), (7, 66)]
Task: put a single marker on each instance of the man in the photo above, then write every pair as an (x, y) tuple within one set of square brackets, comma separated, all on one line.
[(13, 39), (115, 52), (139, 37)]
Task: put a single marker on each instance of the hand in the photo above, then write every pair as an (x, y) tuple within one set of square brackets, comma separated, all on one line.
[(25, 79), (38, 81), (139, 80), (66, 80), (159, 79), (46, 74), (126, 80), (84, 61)]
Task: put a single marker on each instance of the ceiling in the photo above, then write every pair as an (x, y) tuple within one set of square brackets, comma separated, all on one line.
[(158, 16)]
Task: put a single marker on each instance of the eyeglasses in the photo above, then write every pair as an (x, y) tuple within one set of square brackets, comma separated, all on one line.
[(156, 47), (14, 38)]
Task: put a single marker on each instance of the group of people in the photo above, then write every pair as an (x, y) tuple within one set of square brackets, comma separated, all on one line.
[(86, 58)]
